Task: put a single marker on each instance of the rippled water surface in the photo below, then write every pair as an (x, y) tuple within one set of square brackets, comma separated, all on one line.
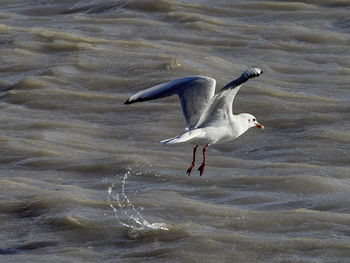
[(84, 177)]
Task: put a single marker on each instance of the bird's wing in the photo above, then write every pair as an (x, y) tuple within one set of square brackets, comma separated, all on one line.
[(219, 108), (194, 94)]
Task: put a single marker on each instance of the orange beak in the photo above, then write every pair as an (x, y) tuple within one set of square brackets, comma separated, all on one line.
[(260, 126)]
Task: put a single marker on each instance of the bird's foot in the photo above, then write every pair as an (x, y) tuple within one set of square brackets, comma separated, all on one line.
[(201, 169), (189, 170)]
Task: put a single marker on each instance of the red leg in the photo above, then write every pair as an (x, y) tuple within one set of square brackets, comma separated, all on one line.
[(189, 170), (201, 168)]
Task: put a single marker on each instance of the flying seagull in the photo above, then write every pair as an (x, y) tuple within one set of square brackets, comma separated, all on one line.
[(208, 116)]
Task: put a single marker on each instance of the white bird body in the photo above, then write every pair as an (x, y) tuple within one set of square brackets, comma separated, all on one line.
[(223, 131), (209, 117)]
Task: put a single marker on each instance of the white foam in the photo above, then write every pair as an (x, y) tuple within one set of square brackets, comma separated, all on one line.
[(136, 220)]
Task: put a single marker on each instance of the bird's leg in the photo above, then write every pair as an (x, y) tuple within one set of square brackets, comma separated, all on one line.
[(189, 170), (201, 168)]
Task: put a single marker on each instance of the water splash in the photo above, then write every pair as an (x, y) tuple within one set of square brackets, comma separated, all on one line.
[(126, 209)]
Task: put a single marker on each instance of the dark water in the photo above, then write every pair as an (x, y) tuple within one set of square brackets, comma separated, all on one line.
[(84, 177)]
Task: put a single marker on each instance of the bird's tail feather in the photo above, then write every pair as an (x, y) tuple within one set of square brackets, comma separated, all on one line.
[(186, 137), (171, 140)]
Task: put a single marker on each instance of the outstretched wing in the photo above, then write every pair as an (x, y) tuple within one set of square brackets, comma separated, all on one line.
[(220, 107), (194, 94)]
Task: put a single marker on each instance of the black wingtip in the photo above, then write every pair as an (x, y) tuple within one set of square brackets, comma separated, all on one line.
[(131, 101), (249, 73)]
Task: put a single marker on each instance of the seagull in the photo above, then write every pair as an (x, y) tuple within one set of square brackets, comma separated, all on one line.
[(209, 116)]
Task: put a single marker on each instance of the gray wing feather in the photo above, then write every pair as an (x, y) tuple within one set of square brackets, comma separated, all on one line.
[(194, 94), (220, 107)]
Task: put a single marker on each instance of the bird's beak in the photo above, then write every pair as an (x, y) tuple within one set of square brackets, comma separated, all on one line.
[(260, 126)]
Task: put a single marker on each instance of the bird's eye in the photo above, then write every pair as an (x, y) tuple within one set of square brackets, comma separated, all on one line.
[(254, 119)]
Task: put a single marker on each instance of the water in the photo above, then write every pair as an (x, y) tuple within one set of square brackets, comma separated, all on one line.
[(84, 177), (138, 222)]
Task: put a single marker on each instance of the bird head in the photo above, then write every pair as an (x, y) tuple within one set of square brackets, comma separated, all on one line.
[(251, 121)]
